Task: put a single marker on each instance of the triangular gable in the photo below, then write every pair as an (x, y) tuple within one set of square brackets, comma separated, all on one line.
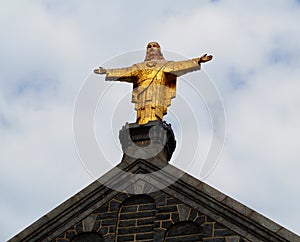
[(97, 208)]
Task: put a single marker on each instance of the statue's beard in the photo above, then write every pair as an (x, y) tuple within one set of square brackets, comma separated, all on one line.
[(154, 55)]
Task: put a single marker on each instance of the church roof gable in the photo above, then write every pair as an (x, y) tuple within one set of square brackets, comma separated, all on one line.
[(189, 190)]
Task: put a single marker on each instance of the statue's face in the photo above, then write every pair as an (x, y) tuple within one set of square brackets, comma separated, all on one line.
[(153, 51)]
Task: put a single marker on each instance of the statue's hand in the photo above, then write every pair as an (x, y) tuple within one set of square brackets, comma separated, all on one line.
[(100, 70), (205, 58)]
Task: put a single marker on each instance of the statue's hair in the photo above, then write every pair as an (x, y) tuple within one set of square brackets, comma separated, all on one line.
[(154, 56)]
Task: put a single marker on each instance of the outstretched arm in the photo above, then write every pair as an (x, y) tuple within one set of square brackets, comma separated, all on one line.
[(180, 68), (119, 74)]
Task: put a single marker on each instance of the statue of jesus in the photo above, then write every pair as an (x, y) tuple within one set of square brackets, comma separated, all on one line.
[(154, 81)]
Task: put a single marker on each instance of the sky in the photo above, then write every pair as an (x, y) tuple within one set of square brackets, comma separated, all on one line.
[(49, 49)]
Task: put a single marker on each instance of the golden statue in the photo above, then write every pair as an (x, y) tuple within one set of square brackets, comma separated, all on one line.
[(154, 81)]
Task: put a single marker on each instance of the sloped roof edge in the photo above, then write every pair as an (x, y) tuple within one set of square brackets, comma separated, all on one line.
[(191, 191)]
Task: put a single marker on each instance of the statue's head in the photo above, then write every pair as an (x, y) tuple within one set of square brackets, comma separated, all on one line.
[(153, 52)]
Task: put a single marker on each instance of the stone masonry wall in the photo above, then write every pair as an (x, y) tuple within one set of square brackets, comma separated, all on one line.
[(136, 219), (154, 217)]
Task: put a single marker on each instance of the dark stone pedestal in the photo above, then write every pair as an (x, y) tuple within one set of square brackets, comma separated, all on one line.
[(149, 141)]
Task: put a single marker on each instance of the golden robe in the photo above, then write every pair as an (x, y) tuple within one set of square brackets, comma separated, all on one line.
[(154, 84)]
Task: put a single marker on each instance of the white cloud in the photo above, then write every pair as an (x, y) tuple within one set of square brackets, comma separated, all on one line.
[(49, 48)]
